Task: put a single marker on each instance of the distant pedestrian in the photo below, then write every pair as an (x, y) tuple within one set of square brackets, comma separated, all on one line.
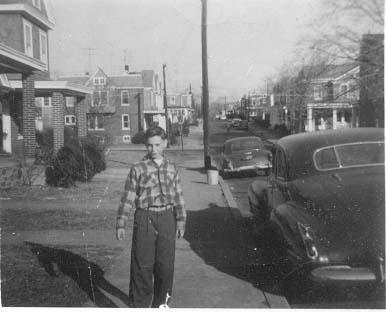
[(153, 189)]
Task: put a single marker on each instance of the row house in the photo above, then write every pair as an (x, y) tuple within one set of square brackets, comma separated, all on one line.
[(24, 71), (180, 107), (282, 103), (332, 99), (122, 105), (253, 105)]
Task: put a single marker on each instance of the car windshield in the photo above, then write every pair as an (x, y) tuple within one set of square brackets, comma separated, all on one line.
[(243, 145), (349, 155)]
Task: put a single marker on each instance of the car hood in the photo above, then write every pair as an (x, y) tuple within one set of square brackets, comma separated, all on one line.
[(346, 211)]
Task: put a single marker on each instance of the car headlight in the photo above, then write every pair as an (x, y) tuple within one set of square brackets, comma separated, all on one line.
[(308, 241)]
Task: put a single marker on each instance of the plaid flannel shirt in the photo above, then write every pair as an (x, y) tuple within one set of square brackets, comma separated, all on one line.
[(151, 185)]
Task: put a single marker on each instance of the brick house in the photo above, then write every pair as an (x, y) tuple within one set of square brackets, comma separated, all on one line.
[(332, 98), (371, 106), (179, 106), (24, 66), (121, 105)]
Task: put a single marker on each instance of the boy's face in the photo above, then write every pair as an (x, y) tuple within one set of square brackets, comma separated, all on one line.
[(155, 147)]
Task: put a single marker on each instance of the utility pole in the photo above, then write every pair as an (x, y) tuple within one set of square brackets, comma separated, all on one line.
[(138, 96), (166, 105), (205, 92)]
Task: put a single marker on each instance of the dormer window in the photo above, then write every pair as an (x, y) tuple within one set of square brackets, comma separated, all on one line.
[(37, 4), (100, 81)]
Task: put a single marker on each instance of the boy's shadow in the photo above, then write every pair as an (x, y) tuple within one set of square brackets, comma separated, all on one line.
[(88, 275)]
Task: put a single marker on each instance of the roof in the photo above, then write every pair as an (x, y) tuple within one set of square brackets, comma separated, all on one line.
[(133, 81), (125, 80), (80, 80), (300, 147), (42, 16)]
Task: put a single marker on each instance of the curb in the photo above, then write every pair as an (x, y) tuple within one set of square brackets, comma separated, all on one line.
[(229, 198)]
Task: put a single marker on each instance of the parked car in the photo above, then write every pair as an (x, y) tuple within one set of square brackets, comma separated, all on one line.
[(235, 122), (325, 202), (244, 154)]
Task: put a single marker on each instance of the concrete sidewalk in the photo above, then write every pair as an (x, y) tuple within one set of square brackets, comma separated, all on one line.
[(207, 258)]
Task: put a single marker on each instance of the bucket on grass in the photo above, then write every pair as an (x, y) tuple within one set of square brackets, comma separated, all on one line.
[(212, 177)]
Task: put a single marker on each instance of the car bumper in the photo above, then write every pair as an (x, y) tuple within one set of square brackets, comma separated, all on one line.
[(249, 167), (346, 274)]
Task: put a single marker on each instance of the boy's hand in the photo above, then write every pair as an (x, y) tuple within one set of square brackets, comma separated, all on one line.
[(180, 229), (120, 233)]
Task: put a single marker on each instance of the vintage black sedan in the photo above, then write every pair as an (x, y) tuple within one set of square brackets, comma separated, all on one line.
[(325, 201), (244, 154)]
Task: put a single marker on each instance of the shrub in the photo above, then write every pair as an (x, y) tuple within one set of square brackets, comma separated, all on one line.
[(45, 142), (281, 129), (78, 160), (61, 170)]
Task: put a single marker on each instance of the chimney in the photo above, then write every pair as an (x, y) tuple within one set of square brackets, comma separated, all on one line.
[(127, 68)]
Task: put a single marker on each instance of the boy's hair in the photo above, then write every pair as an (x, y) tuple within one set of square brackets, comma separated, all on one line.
[(155, 131)]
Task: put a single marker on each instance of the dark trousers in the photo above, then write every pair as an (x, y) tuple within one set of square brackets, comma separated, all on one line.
[(152, 258)]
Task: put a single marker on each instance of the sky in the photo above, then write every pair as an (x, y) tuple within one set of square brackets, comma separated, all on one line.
[(248, 40)]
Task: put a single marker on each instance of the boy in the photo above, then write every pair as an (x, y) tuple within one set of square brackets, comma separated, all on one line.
[(153, 189)]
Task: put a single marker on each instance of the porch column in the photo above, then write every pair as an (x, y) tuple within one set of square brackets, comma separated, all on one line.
[(309, 119), (81, 119), (353, 118), (28, 100), (58, 120), (334, 118)]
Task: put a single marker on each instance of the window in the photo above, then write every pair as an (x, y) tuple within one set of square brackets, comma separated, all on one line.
[(350, 155), (318, 92), (125, 97), (125, 122), (95, 122), (36, 4), (69, 120), (352, 91), (47, 102), (280, 164), (28, 47), (99, 98), (70, 101), (99, 81), (43, 46), (343, 91), (126, 138)]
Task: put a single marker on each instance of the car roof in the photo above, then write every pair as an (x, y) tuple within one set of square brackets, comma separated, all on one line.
[(229, 141), (299, 148), (319, 139)]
